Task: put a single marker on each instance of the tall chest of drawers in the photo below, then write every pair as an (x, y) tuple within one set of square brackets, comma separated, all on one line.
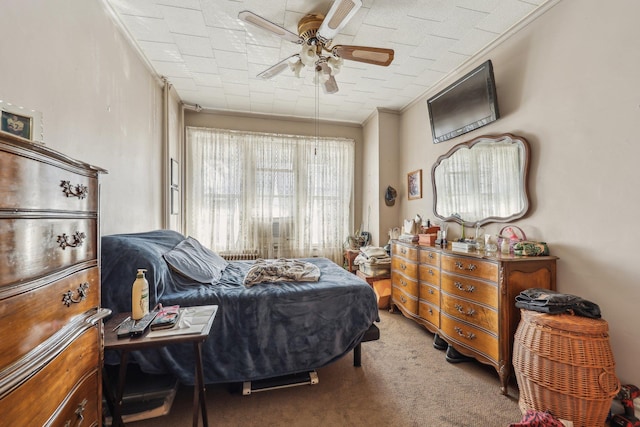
[(469, 299), (50, 315)]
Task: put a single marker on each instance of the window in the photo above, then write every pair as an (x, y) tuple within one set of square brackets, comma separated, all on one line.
[(283, 195)]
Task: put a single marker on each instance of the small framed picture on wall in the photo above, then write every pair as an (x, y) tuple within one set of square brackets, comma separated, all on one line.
[(175, 173), (414, 184)]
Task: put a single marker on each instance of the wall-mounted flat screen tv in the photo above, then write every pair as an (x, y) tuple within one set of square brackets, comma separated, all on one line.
[(466, 105)]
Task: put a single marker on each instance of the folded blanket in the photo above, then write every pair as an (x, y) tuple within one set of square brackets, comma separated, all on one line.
[(361, 259), (281, 270)]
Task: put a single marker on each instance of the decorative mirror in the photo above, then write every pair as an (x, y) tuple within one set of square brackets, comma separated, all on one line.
[(482, 181)]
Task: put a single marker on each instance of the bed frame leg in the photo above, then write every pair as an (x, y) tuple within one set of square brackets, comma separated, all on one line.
[(357, 355), (372, 334)]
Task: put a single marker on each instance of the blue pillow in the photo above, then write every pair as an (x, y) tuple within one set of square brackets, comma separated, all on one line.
[(194, 261)]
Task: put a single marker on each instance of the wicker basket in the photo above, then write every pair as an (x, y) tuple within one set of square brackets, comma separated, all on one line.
[(564, 364)]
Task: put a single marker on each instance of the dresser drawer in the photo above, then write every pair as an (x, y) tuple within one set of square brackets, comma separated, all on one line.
[(28, 184), (34, 247), (472, 337), (470, 267), (45, 392), (429, 274), (430, 257), (408, 285), (36, 315), (430, 293), (406, 252), (408, 302), (429, 313), (81, 407), (405, 267), (465, 287), (479, 315)]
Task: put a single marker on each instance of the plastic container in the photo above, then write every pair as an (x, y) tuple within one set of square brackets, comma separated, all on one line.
[(140, 296)]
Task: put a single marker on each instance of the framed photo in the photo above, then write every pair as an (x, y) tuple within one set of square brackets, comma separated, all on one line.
[(175, 173), (175, 201), (17, 124), (414, 184)]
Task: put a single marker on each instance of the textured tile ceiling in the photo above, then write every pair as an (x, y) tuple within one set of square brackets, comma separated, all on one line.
[(212, 58)]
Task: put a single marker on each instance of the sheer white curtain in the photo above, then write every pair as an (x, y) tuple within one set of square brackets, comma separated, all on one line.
[(283, 195)]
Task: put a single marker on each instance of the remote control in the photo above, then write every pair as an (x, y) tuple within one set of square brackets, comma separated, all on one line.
[(124, 329), (143, 324)]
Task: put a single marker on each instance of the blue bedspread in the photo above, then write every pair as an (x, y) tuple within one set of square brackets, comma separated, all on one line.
[(268, 330)]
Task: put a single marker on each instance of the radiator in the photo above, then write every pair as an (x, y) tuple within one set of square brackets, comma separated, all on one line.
[(239, 256)]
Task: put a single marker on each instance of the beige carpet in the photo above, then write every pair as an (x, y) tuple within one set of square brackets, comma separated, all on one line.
[(403, 381)]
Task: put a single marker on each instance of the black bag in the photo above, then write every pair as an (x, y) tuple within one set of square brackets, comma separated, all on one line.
[(552, 302)]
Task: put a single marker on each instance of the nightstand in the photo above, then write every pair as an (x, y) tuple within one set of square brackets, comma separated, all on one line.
[(197, 333), (349, 256)]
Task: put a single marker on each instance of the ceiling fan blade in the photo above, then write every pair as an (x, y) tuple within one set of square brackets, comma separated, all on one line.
[(370, 55), (260, 22), (276, 69), (340, 13)]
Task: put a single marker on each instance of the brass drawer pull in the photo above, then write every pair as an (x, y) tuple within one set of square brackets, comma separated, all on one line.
[(469, 336), (83, 290), (403, 251), (403, 267), (78, 412), (403, 299), (430, 310), (430, 291), (470, 267), (403, 283), (469, 288), (71, 241), (80, 191), (430, 271), (469, 312), (431, 255)]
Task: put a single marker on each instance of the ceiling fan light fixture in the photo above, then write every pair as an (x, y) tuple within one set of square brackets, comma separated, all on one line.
[(308, 55), (296, 67), (336, 64)]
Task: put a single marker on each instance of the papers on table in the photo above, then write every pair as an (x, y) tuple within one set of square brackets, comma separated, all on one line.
[(193, 320)]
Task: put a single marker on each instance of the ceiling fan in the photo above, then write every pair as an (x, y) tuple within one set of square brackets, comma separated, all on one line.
[(315, 36)]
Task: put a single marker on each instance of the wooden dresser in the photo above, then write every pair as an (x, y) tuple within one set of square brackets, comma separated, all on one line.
[(50, 315), (467, 299)]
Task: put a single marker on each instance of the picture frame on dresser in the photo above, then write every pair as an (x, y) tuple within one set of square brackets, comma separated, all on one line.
[(414, 184), (17, 124)]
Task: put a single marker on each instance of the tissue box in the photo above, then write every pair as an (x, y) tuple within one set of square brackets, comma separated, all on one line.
[(427, 239)]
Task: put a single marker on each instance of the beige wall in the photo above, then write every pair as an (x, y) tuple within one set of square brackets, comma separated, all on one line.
[(568, 83), (100, 103), (380, 169)]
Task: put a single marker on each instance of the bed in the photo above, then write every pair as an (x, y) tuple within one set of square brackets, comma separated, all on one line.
[(266, 330)]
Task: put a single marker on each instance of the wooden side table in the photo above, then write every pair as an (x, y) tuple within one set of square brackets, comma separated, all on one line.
[(196, 334), (349, 256)]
